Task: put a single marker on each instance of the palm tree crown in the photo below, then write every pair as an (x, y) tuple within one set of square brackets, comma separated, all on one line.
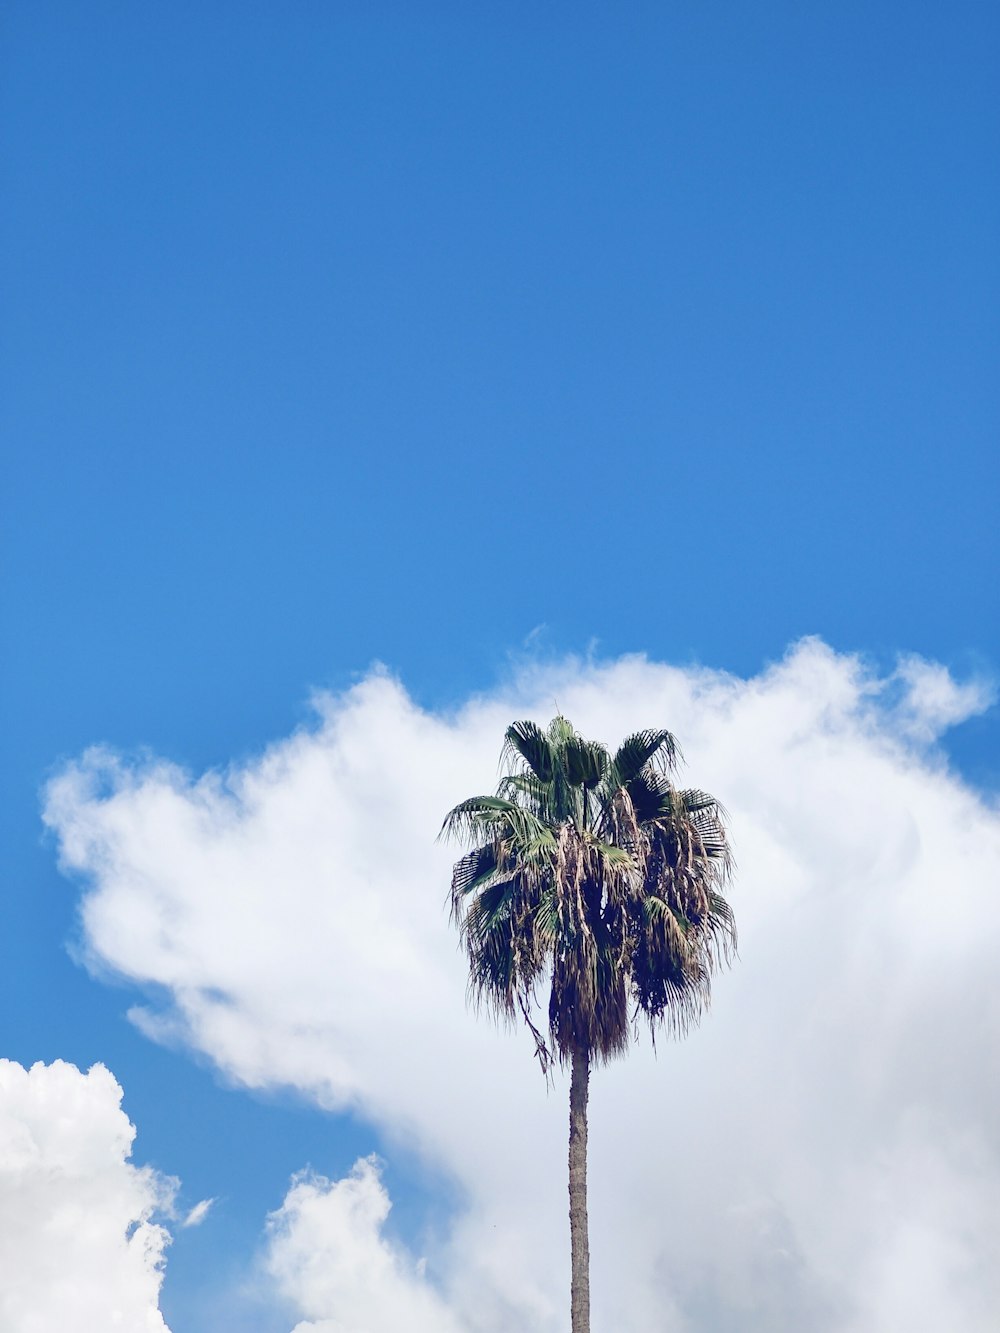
[(596, 871)]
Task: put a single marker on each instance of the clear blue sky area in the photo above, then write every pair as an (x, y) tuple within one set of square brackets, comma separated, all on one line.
[(349, 331)]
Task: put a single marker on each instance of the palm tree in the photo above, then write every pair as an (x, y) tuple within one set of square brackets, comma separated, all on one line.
[(594, 874)]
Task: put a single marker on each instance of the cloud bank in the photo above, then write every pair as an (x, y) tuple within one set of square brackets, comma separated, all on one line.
[(78, 1249), (822, 1156)]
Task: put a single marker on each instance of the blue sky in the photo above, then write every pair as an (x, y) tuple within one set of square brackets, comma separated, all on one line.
[(460, 339)]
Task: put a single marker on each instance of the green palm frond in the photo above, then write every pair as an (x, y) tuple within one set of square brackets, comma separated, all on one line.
[(645, 749), (490, 910), (547, 918), (694, 800), (529, 792), (613, 855), (649, 793), (474, 869), (527, 741), (494, 817), (561, 731), (471, 816), (585, 762)]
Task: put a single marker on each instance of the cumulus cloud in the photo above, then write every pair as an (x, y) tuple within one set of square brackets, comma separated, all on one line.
[(822, 1156), (78, 1248), (326, 1253)]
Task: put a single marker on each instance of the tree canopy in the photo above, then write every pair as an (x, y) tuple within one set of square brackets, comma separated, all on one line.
[(594, 872)]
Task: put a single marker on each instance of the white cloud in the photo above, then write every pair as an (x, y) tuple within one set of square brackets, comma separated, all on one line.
[(328, 1257), (934, 700), (830, 1127), (198, 1213), (77, 1247)]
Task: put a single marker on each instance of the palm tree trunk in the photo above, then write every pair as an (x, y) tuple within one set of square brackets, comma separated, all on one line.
[(579, 1240)]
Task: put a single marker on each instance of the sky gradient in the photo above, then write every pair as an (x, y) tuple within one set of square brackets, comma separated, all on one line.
[(493, 345)]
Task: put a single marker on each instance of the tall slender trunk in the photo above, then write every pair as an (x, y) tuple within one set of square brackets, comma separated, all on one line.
[(579, 1239)]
